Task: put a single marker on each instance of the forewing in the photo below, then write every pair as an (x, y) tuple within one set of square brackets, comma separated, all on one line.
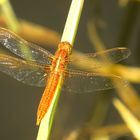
[(97, 59), (114, 55), (24, 49), (84, 82), (28, 73)]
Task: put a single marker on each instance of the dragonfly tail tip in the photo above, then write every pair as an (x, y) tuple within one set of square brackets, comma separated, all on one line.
[(38, 122)]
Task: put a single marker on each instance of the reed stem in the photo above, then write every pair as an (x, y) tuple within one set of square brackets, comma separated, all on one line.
[(69, 34), (10, 17)]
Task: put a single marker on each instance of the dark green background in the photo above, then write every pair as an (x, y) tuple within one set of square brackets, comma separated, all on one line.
[(19, 102)]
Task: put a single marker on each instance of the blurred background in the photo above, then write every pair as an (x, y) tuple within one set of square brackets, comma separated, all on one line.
[(117, 23)]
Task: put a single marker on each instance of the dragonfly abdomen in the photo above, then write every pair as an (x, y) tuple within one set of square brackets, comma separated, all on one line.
[(47, 96)]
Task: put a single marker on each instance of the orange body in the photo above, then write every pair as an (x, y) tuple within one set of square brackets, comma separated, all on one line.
[(58, 67)]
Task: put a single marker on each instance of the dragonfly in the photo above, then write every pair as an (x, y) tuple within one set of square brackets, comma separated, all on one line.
[(35, 66)]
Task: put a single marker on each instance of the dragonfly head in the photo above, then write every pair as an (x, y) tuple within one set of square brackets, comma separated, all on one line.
[(65, 46)]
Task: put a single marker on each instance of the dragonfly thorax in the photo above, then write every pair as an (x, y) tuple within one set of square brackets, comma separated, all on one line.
[(61, 58)]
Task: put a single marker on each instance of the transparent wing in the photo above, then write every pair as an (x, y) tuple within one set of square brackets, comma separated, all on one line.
[(84, 82), (114, 55), (28, 73), (24, 49)]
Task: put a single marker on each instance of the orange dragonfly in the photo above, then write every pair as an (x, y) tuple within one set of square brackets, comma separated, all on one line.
[(37, 67)]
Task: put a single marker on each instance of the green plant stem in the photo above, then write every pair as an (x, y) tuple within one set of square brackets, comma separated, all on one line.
[(72, 21), (9, 15), (69, 36)]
